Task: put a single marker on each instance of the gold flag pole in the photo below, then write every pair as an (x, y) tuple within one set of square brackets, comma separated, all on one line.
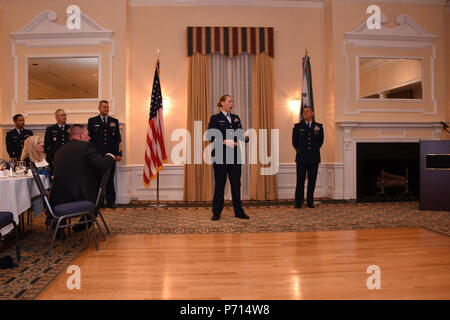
[(157, 205)]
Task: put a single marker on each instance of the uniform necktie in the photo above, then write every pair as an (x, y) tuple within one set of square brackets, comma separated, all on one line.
[(229, 117), (104, 120)]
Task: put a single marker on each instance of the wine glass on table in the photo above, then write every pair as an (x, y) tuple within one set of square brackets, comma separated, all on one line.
[(20, 168), (12, 165), (2, 167)]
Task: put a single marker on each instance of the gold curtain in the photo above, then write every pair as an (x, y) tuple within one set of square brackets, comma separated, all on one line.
[(197, 177), (263, 187)]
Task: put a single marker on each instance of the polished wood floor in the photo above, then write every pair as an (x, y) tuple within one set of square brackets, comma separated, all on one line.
[(414, 264)]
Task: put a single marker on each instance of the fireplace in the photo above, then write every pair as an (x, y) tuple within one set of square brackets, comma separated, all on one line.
[(387, 171)]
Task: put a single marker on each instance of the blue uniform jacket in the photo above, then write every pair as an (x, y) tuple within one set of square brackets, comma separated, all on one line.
[(55, 139), (106, 138), (15, 141), (220, 122), (307, 141)]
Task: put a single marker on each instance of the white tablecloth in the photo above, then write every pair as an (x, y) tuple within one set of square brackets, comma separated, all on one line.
[(16, 194)]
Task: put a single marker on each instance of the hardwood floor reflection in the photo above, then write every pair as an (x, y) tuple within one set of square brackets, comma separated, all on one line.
[(414, 264)]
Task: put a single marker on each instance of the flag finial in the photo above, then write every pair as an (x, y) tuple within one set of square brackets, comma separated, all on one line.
[(156, 52), (306, 52)]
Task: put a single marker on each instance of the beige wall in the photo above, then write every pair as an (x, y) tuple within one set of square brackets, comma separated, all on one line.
[(16, 14), (346, 16), (139, 30), (447, 63), (329, 126), (165, 28)]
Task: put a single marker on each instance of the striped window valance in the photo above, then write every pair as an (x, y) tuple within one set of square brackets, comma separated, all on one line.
[(229, 41)]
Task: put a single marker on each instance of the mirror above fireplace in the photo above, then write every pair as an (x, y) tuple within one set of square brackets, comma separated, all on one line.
[(390, 78)]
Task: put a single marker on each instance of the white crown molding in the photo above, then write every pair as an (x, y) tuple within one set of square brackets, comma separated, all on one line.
[(229, 3), (43, 27)]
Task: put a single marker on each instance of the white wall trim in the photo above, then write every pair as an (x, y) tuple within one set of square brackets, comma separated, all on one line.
[(229, 3), (130, 183)]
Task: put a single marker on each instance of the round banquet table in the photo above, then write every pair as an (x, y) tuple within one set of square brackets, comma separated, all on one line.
[(16, 193)]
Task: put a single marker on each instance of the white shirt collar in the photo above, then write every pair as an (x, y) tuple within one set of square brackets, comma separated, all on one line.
[(226, 113)]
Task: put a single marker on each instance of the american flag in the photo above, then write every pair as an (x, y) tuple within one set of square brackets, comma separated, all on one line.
[(155, 151)]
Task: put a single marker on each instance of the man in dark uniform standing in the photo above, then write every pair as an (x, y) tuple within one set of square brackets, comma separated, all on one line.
[(16, 137), (227, 123), (105, 135), (307, 138), (56, 136)]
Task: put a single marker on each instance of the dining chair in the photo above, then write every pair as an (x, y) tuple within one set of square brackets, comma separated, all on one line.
[(101, 199), (7, 218), (63, 213)]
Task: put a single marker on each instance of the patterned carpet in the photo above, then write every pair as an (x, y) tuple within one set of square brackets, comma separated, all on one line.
[(37, 271)]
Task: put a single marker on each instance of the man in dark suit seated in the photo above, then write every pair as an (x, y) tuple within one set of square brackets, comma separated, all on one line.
[(78, 167), (16, 137)]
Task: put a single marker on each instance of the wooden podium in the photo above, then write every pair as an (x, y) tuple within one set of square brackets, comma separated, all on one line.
[(435, 175)]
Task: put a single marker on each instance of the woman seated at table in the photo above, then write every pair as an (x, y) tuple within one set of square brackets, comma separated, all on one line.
[(33, 151)]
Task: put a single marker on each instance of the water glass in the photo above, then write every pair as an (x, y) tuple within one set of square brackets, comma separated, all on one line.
[(20, 167)]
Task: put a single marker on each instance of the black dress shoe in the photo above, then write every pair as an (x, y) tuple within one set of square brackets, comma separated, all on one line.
[(215, 217), (242, 216), (298, 206), (310, 206), (111, 206)]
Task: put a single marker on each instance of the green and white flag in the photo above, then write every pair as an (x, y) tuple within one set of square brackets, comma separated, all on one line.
[(307, 91)]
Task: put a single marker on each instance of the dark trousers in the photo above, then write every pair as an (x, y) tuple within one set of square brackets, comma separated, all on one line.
[(302, 169), (110, 192), (221, 171)]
